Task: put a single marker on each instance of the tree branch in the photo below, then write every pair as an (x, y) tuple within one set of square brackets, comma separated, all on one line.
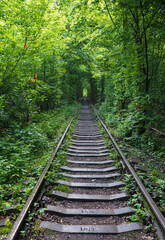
[(109, 13)]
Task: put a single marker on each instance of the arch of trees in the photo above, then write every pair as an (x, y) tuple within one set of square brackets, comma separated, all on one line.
[(55, 51)]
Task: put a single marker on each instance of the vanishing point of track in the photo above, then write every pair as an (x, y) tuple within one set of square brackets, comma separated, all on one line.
[(97, 204)]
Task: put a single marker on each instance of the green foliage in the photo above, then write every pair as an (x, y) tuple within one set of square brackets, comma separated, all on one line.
[(76, 46), (63, 188), (140, 213), (32, 42), (129, 183), (161, 192), (25, 151), (4, 230), (113, 52)]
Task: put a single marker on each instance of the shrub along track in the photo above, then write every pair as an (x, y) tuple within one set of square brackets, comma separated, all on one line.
[(94, 204)]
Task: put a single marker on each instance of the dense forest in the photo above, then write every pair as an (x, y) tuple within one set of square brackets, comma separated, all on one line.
[(52, 53)]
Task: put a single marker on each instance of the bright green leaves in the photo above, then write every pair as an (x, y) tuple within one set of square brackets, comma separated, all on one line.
[(113, 49), (31, 42)]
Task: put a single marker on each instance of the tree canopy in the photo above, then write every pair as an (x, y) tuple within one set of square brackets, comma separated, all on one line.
[(53, 51)]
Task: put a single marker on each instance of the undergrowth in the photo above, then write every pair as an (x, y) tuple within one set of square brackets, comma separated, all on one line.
[(134, 127), (155, 175), (24, 153)]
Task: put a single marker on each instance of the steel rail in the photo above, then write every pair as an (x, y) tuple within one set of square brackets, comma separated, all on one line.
[(160, 218), (20, 219)]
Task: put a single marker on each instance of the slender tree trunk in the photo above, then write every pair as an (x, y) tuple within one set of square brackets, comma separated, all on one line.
[(102, 88), (92, 90), (146, 49), (44, 70)]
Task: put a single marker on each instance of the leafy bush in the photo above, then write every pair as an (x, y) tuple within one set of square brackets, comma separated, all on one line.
[(24, 150)]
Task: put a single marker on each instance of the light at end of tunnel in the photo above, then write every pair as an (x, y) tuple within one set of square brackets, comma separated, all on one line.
[(85, 92)]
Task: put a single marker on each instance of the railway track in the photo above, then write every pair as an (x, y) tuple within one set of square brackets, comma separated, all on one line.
[(94, 204)]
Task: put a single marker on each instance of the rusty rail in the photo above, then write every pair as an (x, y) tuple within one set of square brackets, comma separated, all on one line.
[(20, 219), (160, 218)]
